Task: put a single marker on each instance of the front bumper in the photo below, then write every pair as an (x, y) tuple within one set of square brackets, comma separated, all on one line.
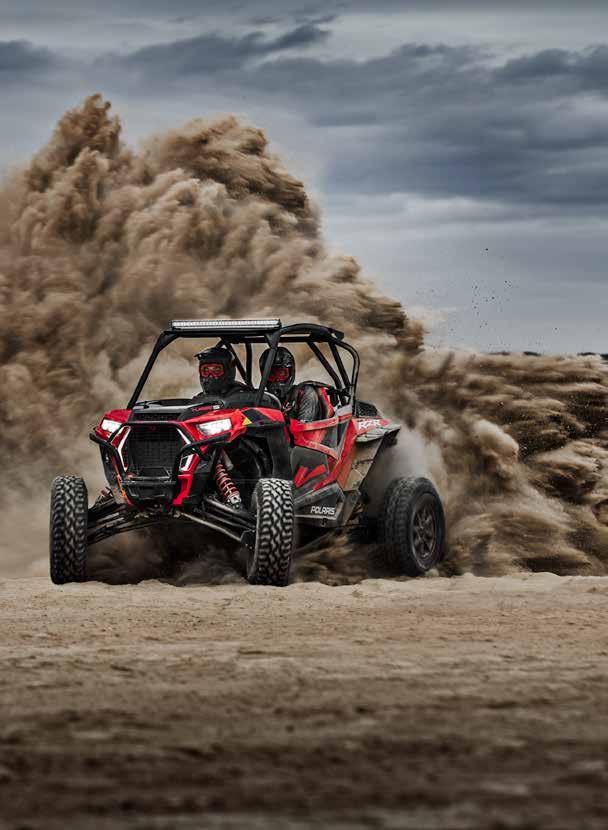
[(142, 490)]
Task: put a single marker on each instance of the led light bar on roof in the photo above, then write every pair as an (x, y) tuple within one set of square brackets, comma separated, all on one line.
[(225, 325)]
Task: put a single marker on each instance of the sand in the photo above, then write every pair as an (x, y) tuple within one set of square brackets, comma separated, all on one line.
[(432, 703)]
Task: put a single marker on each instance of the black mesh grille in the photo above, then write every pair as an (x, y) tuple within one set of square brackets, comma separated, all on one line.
[(151, 451), (363, 409), (155, 416)]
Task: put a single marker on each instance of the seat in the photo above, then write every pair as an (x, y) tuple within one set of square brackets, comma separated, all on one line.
[(304, 408)]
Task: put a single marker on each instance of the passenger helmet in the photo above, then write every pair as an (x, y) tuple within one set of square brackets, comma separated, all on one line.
[(283, 373)]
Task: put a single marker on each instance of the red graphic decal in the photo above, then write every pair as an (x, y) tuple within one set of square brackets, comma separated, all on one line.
[(304, 474)]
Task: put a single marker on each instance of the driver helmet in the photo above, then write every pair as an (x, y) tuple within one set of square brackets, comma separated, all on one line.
[(216, 369), (283, 372)]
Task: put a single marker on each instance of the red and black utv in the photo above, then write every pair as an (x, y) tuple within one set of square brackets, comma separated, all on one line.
[(245, 468)]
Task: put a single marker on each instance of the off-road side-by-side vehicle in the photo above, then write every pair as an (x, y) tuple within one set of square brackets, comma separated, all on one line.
[(244, 468)]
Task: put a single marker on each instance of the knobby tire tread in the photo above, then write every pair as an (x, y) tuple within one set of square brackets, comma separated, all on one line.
[(275, 521), (68, 530)]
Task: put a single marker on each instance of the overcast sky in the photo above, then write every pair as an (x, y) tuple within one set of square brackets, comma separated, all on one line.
[(458, 149)]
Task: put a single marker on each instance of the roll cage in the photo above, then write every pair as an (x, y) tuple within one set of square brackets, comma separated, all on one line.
[(271, 333)]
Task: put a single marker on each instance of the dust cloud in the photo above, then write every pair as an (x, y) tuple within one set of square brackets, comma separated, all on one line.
[(100, 246)]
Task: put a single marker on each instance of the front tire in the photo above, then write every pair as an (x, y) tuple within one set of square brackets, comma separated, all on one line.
[(411, 526), (270, 560), (68, 530)]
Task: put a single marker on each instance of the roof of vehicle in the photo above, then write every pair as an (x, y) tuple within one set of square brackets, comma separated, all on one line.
[(270, 332), (211, 328), (251, 328)]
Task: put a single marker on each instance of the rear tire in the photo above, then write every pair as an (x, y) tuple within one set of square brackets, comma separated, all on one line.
[(411, 526), (68, 530), (270, 560)]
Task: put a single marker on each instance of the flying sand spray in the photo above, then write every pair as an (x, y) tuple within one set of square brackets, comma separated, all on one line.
[(100, 246)]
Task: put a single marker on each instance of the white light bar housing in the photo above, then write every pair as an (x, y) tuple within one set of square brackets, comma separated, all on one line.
[(226, 325)]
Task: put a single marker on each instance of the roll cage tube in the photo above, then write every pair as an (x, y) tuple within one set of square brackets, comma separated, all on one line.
[(164, 339), (309, 334), (312, 334), (244, 374)]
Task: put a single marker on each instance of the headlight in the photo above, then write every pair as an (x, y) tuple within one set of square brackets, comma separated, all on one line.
[(108, 425), (215, 427)]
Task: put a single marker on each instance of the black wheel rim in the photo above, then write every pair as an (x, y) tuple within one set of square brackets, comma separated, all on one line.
[(425, 532)]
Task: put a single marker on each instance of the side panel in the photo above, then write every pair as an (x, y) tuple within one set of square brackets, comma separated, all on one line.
[(309, 467), (328, 480), (362, 460), (318, 446), (360, 431), (323, 508)]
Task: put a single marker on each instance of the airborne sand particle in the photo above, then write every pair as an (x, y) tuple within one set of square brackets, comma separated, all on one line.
[(100, 246)]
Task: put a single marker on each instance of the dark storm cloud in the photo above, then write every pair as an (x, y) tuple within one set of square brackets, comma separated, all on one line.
[(586, 71), (304, 17), (19, 58), (275, 8), (308, 34), (444, 121), (437, 120), (266, 12), (215, 53)]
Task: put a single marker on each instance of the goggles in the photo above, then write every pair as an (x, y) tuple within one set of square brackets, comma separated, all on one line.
[(279, 374), (211, 370)]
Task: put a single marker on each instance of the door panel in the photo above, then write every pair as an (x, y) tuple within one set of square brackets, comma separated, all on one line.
[(317, 448)]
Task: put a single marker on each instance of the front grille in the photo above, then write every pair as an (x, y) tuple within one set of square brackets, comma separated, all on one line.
[(151, 450), (155, 416)]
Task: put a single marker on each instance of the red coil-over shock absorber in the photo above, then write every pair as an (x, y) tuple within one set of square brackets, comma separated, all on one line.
[(225, 485)]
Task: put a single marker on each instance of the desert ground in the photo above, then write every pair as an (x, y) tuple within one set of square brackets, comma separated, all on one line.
[(432, 703)]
